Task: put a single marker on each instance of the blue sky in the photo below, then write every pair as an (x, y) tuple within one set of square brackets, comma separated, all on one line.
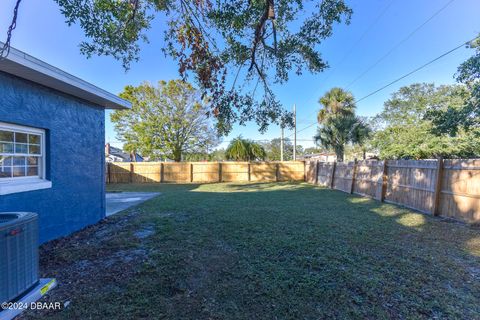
[(42, 32)]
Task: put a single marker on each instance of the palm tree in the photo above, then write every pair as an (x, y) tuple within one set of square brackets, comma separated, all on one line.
[(360, 134), (337, 131), (257, 152), (336, 102), (241, 149)]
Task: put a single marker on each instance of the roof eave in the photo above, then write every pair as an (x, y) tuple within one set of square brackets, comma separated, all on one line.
[(27, 67)]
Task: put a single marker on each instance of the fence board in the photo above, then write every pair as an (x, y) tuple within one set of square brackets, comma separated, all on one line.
[(411, 183), (176, 172), (144, 172), (343, 176), (205, 172), (119, 172), (368, 177), (325, 170), (310, 171), (460, 190), (234, 171), (263, 171), (291, 171)]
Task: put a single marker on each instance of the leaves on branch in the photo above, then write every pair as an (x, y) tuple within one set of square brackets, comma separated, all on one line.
[(219, 42), (166, 121)]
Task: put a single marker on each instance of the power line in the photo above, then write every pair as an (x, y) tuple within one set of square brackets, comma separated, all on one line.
[(399, 44), (307, 127), (390, 52), (385, 55), (375, 91), (415, 70), (359, 40), (355, 44), (268, 140), (402, 77)]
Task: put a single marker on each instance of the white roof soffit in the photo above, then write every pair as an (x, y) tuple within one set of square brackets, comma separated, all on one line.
[(22, 65)]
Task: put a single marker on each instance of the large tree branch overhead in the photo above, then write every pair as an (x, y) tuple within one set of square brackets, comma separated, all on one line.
[(212, 41)]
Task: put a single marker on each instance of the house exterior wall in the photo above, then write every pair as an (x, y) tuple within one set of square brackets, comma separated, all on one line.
[(327, 157), (75, 132)]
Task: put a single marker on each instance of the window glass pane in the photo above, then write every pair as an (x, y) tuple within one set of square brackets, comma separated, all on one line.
[(5, 172), (6, 136), (19, 171), (20, 153), (21, 137), (19, 161), (21, 148), (34, 149), (32, 171), (5, 161), (34, 139), (32, 161), (6, 147)]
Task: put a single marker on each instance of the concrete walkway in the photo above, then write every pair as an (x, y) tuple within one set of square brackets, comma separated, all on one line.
[(118, 201)]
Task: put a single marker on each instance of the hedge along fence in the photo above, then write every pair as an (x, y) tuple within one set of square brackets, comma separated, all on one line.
[(204, 172), (449, 188)]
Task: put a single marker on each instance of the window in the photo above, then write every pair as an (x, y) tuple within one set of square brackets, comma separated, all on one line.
[(22, 157)]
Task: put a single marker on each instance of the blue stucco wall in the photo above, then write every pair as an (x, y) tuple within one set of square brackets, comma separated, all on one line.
[(75, 131)]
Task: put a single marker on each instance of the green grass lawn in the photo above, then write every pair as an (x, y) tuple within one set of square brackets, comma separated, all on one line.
[(265, 251)]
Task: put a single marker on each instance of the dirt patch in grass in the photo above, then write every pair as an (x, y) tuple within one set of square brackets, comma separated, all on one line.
[(145, 232), (97, 258)]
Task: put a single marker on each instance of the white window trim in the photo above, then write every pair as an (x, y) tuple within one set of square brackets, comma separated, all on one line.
[(23, 184)]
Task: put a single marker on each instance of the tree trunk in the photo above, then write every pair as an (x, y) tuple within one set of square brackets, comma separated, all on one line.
[(177, 155), (339, 153)]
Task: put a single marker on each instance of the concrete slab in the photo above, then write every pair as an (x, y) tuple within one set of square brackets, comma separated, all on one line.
[(118, 201), (8, 311)]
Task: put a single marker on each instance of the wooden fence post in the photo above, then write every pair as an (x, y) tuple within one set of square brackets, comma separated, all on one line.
[(304, 170), (316, 172), (109, 170), (354, 172), (191, 172), (276, 171), (332, 177), (162, 169), (132, 168), (384, 181), (249, 172), (219, 172), (438, 187)]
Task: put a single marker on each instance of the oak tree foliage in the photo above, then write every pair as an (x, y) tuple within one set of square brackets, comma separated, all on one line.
[(216, 43), (166, 121), (406, 130), (466, 117)]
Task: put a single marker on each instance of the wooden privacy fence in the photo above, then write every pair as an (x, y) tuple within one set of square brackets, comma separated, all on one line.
[(204, 172), (449, 188)]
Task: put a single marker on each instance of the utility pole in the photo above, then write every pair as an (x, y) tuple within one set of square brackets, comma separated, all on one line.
[(295, 132), (281, 145)]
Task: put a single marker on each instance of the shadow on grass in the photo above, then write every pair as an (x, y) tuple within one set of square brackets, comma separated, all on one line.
[(269, 250)]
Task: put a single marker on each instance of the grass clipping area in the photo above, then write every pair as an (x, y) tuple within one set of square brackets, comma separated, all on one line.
[(264, 251)]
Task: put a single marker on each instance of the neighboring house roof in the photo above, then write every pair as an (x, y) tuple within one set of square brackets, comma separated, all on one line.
[(118, 155), (22, 65), (317, 155)]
